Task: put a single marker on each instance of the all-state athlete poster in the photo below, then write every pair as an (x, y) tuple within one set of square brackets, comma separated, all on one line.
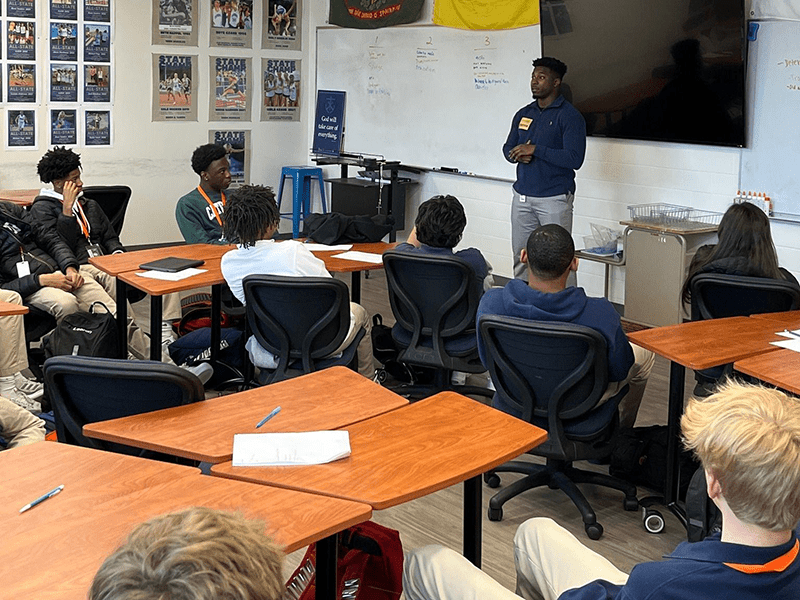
[(21, 40), (63, 127), (21, 83), (231, 90), (97, 128), (22, 8), (96, 86), (64, 9), (281, 25), (21, 129), (98, 10), (175, 22), (280, 100), (237, 145), (174, 78), (231, 23), (63, 41), (63, 83)]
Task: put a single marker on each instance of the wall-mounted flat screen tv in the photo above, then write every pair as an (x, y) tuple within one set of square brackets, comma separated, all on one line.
[(666, 70)]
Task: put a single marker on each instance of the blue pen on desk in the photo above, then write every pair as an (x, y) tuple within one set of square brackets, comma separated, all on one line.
[(793, 334), (274, 412), (41, 499)]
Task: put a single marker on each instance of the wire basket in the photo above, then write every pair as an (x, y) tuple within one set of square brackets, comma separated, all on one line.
[(672, 214)]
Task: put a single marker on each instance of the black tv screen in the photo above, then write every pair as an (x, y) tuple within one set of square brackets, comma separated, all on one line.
[(666, 70)]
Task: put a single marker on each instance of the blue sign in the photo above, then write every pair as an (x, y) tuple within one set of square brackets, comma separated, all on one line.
[(329, 123)]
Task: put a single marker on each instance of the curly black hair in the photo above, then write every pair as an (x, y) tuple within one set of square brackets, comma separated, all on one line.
[(555, 65), (249, 212), (440, 222), (206, 154), (58, 163)]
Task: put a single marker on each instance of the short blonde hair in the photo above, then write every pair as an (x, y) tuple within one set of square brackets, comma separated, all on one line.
[(195, 554), (749, 438)]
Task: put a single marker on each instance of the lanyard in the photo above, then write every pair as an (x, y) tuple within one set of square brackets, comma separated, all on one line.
[(77, 210), (211, 204)]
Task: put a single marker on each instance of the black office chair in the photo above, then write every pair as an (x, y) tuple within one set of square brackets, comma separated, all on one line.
[(113, 199), (85, 389), (716, 295), (300, 320), (37, 323), (553, 375), (434, 300)]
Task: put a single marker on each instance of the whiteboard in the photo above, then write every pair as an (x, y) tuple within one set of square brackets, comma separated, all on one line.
[(430, 96), (770, 162)]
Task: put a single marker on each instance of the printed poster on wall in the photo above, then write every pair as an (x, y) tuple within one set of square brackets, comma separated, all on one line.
[(231, 23), (22, 8), (173, 79), (97, 10), (97, 128), (64, 9), (97, 42), (95, 83), (63, 83), (175, 22), (237, 145), (63, 41), (230, 96), (21, 40), (63, 127), (21, 129), (282, 26), (21, 83), (281, 83)]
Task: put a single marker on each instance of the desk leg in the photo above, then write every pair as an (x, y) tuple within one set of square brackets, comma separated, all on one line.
[(326, 567), (155, 327), (355, 287), (122, 316), (677, 376), (216, 325), (473, 539)]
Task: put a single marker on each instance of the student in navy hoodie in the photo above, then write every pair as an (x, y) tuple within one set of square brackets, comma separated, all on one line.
[(748, 441), (550, 256)]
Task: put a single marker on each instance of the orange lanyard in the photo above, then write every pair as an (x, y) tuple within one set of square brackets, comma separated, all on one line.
[(82, 220), (211, 204)]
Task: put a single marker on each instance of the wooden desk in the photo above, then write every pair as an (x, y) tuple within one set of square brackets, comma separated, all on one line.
[(342, 265), (21, 197), (699, 345), (412, 452), (203, 431), (53, 550), (780, 368), (114, 264), (8, 309), (789, 319)]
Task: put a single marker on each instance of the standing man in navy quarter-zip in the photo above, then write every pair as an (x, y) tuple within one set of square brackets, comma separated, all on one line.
[(547, 141)]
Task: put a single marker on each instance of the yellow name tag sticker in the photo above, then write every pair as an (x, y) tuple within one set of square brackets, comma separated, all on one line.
[(524, 123)]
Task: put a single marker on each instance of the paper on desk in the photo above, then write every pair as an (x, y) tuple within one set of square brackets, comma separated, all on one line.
[(793, 343), (164, 276), (368, 257), (325, 248), (273, 449)]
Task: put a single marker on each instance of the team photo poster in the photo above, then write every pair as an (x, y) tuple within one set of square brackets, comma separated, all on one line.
[(280, 100), (174, 77), (231, 23), (175, 22)]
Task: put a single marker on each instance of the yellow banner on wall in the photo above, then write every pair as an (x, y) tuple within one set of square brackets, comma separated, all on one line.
[(486, 14)]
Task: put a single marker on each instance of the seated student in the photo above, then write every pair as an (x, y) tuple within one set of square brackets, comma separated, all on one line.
[(550, 258), (745, 247), (438, 228), (199, 213), (196, 554), (748, 441), (83, 225), (14, 359), (18, 427), (251, 219)]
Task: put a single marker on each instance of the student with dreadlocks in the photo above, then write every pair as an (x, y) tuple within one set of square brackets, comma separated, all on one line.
[(251, 219)]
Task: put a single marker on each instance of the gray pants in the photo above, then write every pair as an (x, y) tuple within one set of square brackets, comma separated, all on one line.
[(528, 213)]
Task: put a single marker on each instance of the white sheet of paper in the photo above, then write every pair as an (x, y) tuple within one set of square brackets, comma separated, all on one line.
[(164, 276), (790, 344), (275, 449), (368, 257), (324, 248)]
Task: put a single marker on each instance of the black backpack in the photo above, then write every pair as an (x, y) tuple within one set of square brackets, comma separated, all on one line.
[(85, 333), (702, 516)]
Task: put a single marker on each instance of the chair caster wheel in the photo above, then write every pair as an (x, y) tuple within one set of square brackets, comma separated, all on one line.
[(652, 520), (630, 504), (492, 480), (381, 376), (594, 531), (495, 514)]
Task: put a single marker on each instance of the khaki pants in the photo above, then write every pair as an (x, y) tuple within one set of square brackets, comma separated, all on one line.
[(13, 350)]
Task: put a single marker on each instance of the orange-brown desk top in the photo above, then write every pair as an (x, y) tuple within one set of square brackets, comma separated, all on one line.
[(53, 550), (204, 431), (408, 453), (9, 308), (789, 319), (114, 264), (780, 368), (706, 344), (21, 197), (343, 265)]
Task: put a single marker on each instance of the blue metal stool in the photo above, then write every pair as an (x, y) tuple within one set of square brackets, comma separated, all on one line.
[(301, 196)]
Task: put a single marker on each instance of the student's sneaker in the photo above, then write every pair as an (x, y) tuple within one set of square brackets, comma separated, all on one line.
[(458, 378), (32, 389), (167, 333), (22, 400), (204, 371)]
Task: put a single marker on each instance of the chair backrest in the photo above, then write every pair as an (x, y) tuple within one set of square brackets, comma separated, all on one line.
[(545, 370), (297, 318), (715, 295), (84, 389), (113, 199), (435, 298)]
